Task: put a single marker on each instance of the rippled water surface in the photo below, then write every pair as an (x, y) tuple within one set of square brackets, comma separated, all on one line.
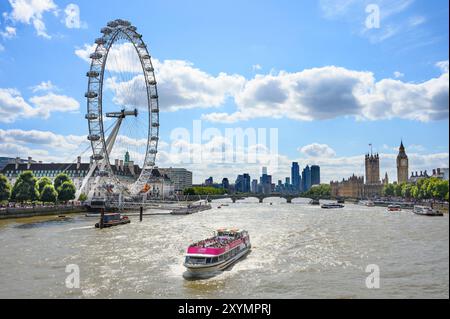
[(299, 251)]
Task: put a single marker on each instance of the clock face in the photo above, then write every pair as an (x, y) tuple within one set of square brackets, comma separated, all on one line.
[(404, 162)]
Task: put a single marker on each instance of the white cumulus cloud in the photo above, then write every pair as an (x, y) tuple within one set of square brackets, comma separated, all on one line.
[(330, 92), (72, 16), (13, 106), (9, 32), (31, 12), (318, 150), (44, 86)]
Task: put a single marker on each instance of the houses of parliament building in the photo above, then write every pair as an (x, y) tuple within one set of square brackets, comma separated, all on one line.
[(356, 187)]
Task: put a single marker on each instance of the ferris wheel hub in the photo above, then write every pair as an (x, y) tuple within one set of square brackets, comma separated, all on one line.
[(122, 114)]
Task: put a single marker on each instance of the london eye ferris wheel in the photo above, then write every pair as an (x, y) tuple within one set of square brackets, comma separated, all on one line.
[(122, 106)]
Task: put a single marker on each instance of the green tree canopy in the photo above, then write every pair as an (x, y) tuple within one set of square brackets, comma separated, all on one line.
[(66, 191), (49, 194), (426, 188), (319, 191), (5, 188), (25, 188), (60, 179), (42, 182), (204, 190), (398, 190), (389, 190), (82, 197), (189, 191), (406, 190)]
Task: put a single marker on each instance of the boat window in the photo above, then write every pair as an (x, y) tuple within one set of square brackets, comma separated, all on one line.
[(195, 260), (215, 259), (208, 260)]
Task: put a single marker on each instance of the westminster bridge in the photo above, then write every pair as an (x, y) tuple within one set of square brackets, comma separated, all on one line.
[(236, 197)]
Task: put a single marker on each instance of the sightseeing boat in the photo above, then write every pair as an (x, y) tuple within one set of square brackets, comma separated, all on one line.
[(394, 208), (426, 211), (113, 219), (331, 206), (314, 202), (218, 252)]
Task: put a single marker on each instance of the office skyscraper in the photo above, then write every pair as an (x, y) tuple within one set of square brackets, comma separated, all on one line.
[(306, 178), (295, 176), (242, 184), (254, 186), (225, 183), (315, 175)]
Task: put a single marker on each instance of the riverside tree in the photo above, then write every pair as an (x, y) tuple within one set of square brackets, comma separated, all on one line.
[(60, 179), (66, 191), (49, 194), (319, 191), (42, 182), (25, 188), (427, 188), (83, 197), (5, 188)]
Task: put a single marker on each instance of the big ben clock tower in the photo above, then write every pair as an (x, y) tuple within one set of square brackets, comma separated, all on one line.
[(402, 165)]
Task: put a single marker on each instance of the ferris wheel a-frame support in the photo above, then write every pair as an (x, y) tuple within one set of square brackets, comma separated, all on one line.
[(109, 145)]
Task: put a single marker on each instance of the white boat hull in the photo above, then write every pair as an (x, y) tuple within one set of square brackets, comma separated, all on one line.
[(197, 270)]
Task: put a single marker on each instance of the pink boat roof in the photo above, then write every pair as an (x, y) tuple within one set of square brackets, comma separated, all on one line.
[(215, 251)]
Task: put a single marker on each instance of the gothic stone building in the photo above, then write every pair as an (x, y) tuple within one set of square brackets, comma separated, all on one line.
[(352, 187), (373, 186), (402, 165)]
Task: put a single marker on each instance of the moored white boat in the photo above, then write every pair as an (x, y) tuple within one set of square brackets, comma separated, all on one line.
[(331, 206), (195, 207), (217, 253), (426, 211)]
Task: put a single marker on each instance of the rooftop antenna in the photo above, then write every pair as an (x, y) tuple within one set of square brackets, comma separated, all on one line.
[(370, 148)]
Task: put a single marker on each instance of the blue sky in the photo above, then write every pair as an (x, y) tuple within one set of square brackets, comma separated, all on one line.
[(312, 69)]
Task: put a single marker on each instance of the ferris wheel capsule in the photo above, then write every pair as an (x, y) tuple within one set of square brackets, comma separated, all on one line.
[(96, 55), (92, 74), (93, 137), (100, 41), (106, 30), (112, 24), (91, 94)]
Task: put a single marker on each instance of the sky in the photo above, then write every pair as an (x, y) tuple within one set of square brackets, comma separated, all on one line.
[(308, 81)]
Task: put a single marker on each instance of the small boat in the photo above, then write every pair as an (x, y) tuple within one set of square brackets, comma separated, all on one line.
[(426, 211), (195, 207), (369, 203), (394, 208), (113, 219), (92, 215), (314, 202), (217, 253), (340, 200), (331, 206)]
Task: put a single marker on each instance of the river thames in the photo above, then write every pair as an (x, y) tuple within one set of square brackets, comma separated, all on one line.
[(299, 251)]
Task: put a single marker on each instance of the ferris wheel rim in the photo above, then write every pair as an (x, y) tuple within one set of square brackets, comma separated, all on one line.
[(94, 95)]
